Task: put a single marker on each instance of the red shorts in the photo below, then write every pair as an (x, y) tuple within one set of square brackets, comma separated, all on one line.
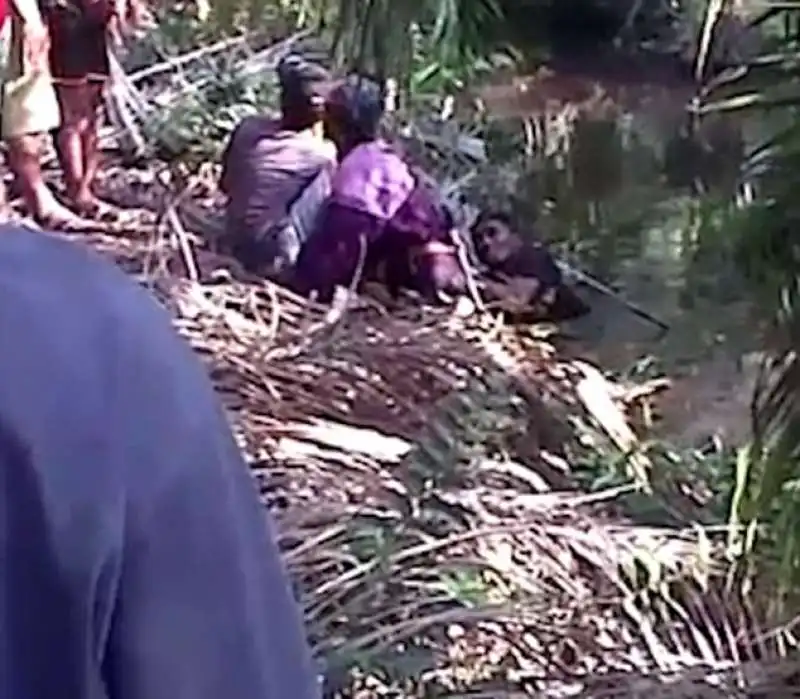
[(78, 39)]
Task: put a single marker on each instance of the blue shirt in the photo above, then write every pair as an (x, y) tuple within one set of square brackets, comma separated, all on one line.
[(135, 559)]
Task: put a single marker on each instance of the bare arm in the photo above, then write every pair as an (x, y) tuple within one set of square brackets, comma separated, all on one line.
[(224, 178), (35, 37), (27, 11)]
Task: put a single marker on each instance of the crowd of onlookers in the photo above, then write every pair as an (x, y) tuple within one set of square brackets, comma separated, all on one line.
[(316, 199)]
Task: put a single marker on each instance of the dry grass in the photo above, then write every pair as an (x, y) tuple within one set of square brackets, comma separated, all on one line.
[(417, 467)]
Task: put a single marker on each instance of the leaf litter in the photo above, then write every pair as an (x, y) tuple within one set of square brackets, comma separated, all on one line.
[(417, 467)]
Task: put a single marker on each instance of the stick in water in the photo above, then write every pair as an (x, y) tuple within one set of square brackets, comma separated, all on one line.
[(637, 310)]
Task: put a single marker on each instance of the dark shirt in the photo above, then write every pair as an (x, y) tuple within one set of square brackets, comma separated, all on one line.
[(378, 203), (135, 558), (73, 12), (265, 169)]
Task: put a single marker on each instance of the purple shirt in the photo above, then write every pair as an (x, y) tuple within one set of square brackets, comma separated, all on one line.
[(135, 559), (376, 199)]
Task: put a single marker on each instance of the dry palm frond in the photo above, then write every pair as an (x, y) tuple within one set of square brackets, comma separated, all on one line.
[(428, 559), (431, 555), (767, 472)]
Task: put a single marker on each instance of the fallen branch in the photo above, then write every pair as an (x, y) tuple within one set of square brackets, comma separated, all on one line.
[(129, 109), (577, 275), (596, 393), (175, 62)]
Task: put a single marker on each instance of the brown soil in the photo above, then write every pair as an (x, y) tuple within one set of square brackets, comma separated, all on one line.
[(713, 400)]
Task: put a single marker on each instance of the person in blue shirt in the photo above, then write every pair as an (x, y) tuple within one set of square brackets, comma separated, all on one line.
[(136, 561)]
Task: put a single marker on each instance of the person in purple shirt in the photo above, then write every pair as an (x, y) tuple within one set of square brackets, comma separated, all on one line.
[(135, 559), (379, 208)]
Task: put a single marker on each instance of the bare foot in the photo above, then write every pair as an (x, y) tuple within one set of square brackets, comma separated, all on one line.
[(94, 208), (59, 218)]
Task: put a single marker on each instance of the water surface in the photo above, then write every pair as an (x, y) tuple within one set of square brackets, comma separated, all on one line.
[(633, 189)]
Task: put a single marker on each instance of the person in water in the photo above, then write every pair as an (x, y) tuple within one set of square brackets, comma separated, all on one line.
[(378, 211), (58, 68), (276, 173), (522, 271), (137, 561)]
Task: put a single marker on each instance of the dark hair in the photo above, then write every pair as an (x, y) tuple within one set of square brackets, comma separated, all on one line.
[(493, 238), (357, 103), (303, 83), (488, 215)]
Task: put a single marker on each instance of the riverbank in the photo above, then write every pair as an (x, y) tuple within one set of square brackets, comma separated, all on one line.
[(464, 509), (420, 468)]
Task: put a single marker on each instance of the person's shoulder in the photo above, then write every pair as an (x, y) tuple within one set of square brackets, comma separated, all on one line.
[(372, 157), (73, 328), (375, 154), (48, 269), (249, 132), (78, 331), (322, 148), (254, 127)]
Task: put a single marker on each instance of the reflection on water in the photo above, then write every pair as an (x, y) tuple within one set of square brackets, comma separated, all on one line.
[(631, 195)]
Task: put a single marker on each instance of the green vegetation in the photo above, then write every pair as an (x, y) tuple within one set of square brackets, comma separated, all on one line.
[(711, 540)]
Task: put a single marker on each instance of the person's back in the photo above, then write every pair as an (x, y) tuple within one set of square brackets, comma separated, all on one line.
[(379, 209), (265, 170), (135, 559)]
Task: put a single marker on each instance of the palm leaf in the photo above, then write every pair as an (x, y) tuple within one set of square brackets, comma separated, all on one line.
[(768, 472)]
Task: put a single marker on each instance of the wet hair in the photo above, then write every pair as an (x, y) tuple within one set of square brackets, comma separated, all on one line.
[(490, 215), (304, 84), (507, 256), (357, 104), (494, 239)]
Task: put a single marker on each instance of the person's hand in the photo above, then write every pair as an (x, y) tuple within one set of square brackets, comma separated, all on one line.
[(35, 46), (120, 9)]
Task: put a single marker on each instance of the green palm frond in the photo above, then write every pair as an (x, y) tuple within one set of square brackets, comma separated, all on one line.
[(378, 36), (768, 489)]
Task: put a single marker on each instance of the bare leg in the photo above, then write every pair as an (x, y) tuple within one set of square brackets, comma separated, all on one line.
[(5, 209), (69, 141), (78, 146), (24, 155), (90, 140)]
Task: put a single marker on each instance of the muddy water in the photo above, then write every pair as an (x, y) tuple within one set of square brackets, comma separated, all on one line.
[(629, 197)]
